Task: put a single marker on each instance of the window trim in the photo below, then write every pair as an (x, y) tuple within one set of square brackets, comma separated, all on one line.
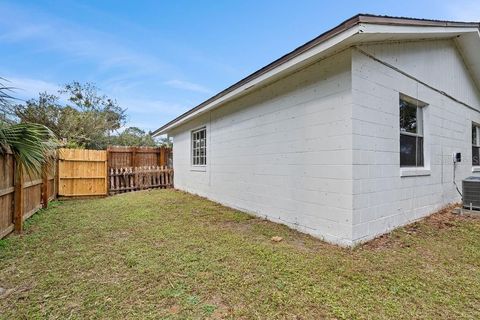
[(414, 172), (192, 162), (476, 168), (476, 126), (420, 118)]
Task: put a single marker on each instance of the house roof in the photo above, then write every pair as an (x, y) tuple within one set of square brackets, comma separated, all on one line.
[(358, 29)]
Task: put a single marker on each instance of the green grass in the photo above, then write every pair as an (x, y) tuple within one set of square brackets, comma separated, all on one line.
[(167, 254)]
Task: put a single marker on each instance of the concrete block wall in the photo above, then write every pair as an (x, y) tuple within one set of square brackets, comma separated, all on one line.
[(383, 198), (319, 150), (283, 152)]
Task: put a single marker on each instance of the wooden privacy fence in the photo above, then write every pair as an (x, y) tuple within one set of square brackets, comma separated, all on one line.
[(79, 173), (82, 173), (139, 178), (124, 157), (117, 170), (22, 195)]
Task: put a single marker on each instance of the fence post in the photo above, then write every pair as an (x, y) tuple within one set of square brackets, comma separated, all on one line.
[(56, 177), (134, 157), (167, 156), (162, 156), (134, 165), (18, 199), (44, 187), (107, 169)]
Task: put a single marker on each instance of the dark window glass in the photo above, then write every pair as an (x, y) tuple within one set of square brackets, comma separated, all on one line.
[(420, 152), (408, 117), (475, 146), (476, 156), (411, 139), (411, 151)]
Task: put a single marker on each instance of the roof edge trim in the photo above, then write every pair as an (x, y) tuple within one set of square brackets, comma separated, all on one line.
[(342, 27)]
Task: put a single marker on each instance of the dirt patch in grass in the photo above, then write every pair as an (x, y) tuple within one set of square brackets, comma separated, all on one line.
[(440, 221), (170, 255)]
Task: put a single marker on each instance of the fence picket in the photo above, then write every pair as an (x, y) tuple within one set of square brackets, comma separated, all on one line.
[(139, 178)]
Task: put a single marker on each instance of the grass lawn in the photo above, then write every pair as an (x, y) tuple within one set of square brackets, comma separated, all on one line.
[(167, 254)]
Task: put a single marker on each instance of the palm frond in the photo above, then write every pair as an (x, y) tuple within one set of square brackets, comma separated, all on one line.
[(5, 92), (32, 145)]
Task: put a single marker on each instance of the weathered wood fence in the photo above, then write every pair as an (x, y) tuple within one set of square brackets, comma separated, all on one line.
[(138, 168), (22, 195), (139, 178), (79, 173), (124, 157)]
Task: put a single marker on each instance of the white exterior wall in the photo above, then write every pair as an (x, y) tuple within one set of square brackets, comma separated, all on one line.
[(283, 152), (319, 150), (383, 199)]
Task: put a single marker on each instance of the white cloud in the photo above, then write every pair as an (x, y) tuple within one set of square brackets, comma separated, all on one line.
[(149, 106), (185, 85), (26, 88), (54, 34), (23, 32), (120, 69), (150, 114)]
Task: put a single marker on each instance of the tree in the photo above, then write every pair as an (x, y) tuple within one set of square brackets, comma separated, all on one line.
[(87, 118), (105, 112), (166, 142), (45, 110), (133, 136), (82, 118)]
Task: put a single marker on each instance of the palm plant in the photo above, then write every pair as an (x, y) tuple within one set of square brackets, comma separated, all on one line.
[(5, 99), (32, 145)]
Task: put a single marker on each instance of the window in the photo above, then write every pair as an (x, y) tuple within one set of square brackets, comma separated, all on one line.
[(199, 147), (475, 144), (411, 133)]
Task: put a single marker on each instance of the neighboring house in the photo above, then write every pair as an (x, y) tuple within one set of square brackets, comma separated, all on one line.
[(346, 137)]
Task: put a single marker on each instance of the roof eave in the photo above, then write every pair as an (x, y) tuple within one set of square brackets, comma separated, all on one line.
[(247, 82), (334, 37)]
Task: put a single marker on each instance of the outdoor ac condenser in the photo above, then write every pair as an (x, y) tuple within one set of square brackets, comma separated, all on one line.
[(471, 193)]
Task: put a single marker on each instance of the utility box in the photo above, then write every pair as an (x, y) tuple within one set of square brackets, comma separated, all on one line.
[(471, 193)]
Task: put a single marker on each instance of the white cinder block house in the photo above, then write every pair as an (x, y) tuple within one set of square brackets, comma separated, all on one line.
[(346, 137)]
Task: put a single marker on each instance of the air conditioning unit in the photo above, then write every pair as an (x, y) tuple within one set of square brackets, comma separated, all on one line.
[(471, 193)]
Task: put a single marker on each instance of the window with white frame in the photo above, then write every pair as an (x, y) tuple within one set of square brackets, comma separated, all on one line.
[(411, 132), (475, 144), (199, 147)]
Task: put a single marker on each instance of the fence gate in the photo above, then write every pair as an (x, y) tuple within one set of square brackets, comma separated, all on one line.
[(82, 173)]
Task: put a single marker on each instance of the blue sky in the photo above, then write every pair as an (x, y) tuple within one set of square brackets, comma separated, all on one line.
[(161, 58)]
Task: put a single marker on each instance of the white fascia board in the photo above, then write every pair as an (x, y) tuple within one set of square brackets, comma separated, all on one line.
[(290, 64), (469, 46), (396, 29)]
